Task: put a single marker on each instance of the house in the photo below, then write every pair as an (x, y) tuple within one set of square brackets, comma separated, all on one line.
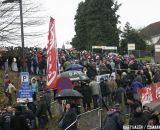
[(151, 33)]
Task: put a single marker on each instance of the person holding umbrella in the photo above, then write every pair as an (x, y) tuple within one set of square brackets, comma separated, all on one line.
[(68, 118)]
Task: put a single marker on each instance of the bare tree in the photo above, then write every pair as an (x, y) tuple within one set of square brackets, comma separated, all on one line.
[(10, 22)]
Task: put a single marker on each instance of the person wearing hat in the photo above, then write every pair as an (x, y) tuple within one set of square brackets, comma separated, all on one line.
[(113, 120)]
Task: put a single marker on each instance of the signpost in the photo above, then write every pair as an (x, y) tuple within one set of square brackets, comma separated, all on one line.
[(131, 47), (105, 48), (106, 77), (157, 53), (25, 78), (24, 93), (110, 48)]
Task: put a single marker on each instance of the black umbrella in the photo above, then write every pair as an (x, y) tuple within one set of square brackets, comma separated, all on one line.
[(68, 94), (74, 75)]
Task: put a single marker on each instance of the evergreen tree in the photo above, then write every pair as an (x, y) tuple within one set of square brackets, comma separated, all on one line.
[(96, 24), (130, 35)]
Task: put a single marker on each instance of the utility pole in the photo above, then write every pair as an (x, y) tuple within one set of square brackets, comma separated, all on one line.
[(22, 29)]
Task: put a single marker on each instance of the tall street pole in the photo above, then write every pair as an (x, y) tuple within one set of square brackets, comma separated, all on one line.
[(22, 29)]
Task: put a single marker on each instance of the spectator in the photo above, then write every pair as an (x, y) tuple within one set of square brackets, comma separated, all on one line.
[(6, 119), (104, 89), (18, 121), (48, 99), (87, 96), (41, 113), (138, 117), (9, 92), (95, 89), (113, 120), (135, 86), (68, 117), (34, 88)]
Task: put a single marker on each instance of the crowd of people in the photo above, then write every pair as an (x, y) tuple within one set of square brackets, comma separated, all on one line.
[(130, 76), (34, 60), (113, 93), (24, 116)]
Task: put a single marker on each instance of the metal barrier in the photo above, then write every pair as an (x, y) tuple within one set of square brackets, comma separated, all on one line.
[(90, 120), (72, 124)]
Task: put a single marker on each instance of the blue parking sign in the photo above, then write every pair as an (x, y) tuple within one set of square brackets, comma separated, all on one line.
[(25, 78), (24, 92)]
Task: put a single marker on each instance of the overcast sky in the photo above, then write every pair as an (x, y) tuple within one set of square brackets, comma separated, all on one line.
[(139, 13)]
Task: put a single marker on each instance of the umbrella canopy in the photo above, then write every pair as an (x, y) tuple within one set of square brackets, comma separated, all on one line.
[(74, 75), (74, 67), (68, 94)]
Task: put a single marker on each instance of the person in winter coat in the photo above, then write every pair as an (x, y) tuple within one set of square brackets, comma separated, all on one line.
[(6, 119), (156, 77), (147, 113), (113, 120), (138, 117), (9, 92), (112, 85), (135, 86), (41, 113), (148, 76), (47, 97), (119, 94), (35, 63), (91, 69), (34, 88), (87, 96), (18, 121), (68, 117), (30, 117), (95, 88), (103, 87)]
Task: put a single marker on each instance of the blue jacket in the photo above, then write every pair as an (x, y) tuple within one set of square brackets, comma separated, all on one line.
[(135, 86)]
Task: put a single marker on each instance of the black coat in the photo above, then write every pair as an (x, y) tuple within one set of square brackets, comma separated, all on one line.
[(120, 92), (69, 118), (18, 122), (6, 120), (91, 71), (41, 109), (138, 119), (87, 94), (104, 88), (113, 121)]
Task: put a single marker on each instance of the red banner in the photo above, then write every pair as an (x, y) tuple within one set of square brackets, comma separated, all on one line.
[(150, 93), (51, 56)]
